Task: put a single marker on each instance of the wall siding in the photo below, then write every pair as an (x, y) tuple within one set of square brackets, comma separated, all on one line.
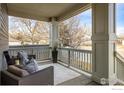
[(3, 33)]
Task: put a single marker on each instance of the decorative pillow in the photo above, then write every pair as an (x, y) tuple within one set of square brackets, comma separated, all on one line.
[(17, 71), (23, 57), (32, 66)]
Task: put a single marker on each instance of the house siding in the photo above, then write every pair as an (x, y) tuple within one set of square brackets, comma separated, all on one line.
[(3, 33)]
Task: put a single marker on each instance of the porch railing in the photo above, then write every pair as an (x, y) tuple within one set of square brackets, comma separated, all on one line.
[(80, 59), (120, 66), (42, 52)]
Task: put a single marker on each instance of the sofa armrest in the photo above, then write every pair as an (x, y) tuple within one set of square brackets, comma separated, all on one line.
[(8, 78), (42, 77)]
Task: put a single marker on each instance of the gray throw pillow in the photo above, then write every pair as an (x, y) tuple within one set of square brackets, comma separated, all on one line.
[(32, 66), (23, 57)]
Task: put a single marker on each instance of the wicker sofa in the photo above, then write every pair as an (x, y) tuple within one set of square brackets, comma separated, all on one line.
[(41, 77)]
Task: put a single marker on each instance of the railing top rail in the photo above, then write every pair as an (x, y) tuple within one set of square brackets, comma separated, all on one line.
[(80, 50), (24, 46), (119, 56)]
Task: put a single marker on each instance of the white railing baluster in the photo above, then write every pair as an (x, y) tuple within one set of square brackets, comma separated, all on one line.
[(119, 60), (80, 59)]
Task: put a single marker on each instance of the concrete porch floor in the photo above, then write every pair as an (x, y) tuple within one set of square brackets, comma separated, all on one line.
[(66, 76)]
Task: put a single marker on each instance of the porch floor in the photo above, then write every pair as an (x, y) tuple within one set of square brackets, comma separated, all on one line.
[(66, 76)]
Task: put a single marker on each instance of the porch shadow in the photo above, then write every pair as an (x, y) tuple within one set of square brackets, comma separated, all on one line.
[(81, 80), (67, 76)]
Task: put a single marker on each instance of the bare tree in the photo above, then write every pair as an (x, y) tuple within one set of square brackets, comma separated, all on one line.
[(72, 33), (17, 36), (29, 30)]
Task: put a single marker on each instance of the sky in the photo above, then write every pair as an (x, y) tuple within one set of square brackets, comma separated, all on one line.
[(120, 19), (86, 18)]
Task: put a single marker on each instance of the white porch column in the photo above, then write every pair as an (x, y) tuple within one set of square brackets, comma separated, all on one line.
[(53, 32), (103, 37)]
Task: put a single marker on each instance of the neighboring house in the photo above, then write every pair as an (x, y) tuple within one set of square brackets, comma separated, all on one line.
[(87, 43), (14, 42), (121, 39), (43, 41), (123, 42), (27, 43)]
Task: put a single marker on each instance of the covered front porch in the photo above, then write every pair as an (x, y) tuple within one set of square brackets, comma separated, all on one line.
[(102, 64), (70, 69), (74, 66)]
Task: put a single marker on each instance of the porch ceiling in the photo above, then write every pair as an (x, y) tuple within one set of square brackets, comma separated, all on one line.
[(44, 11)]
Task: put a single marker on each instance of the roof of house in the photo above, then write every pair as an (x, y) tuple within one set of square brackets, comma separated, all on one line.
[(44, 11)]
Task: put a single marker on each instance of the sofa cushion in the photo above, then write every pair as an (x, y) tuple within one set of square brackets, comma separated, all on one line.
[(17, 71)]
